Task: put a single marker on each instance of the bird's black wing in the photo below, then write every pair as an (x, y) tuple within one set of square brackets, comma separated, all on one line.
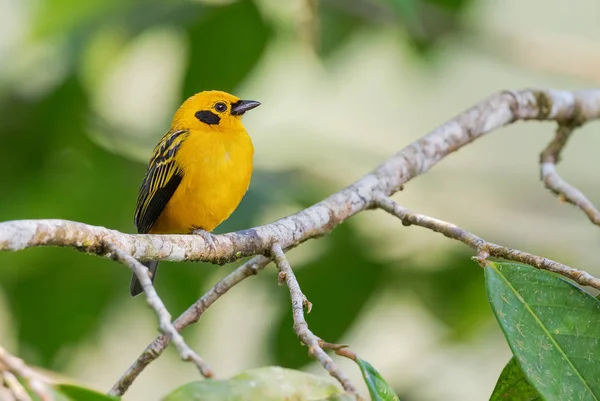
[(160, 182)]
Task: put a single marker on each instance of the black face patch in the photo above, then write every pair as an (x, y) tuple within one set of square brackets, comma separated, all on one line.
[(208, 117)]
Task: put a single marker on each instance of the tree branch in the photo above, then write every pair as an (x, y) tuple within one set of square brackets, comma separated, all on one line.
[(308, 338), (12, 367), (164, 317), (498, 110), (190, 316), (554, 182), (14, 387), (484, 249)]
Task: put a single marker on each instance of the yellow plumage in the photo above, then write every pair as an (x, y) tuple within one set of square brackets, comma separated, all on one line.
[(217, 169), (199, 171)]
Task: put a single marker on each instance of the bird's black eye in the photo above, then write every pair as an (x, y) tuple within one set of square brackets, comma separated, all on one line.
[(220, 107)]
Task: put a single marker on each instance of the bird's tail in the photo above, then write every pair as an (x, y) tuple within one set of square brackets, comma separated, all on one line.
[(135, 287)]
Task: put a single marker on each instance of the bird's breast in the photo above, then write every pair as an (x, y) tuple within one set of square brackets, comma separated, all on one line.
[(216, 175)]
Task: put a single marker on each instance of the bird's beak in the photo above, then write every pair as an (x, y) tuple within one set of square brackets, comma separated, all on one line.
[(241, 106)]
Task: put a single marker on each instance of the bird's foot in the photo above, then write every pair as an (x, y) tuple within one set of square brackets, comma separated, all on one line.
[(208, 238)]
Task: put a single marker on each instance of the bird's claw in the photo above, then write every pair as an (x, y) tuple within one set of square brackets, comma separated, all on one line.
[(208, 238)]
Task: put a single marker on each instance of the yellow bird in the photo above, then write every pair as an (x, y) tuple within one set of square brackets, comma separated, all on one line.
[(198, 172)]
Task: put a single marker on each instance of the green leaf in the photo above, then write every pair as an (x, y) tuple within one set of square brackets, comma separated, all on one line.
[(379, 389), (262, 384), (512, 385), (552, 328), (225, 46), (75, 393)]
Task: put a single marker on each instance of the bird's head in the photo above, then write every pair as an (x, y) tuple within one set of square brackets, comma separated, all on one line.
[(212, 110)]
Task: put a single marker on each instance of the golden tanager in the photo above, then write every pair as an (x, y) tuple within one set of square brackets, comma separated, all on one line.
[(198, 172)]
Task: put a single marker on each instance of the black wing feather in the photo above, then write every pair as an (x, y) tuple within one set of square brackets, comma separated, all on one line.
[(160, 182)]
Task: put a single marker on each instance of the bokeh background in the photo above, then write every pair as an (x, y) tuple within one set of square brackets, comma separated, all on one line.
[(88, 87)]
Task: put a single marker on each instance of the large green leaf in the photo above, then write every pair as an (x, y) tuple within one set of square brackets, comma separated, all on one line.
[(262, 384), (225, 46), (552, 328), (512, 385), (379, 389)]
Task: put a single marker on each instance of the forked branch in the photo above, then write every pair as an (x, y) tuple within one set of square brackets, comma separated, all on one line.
[(554, 182), (164, 317), (190, 316), (307, 337)]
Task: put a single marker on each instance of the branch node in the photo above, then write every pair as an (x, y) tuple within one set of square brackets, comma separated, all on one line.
[(482, 256), (281, 277), (254, 268), (345, 352), (481, 260), (332, 346), (307, 305)]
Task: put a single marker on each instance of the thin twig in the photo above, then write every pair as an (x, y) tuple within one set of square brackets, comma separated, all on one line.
[(37, 382), (555, 183), (346, 353), (12, 384), (190, 316), (301, 329), (164, 317), (484, 248)]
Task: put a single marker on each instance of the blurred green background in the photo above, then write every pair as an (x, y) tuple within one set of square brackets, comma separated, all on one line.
[(88, 88)]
